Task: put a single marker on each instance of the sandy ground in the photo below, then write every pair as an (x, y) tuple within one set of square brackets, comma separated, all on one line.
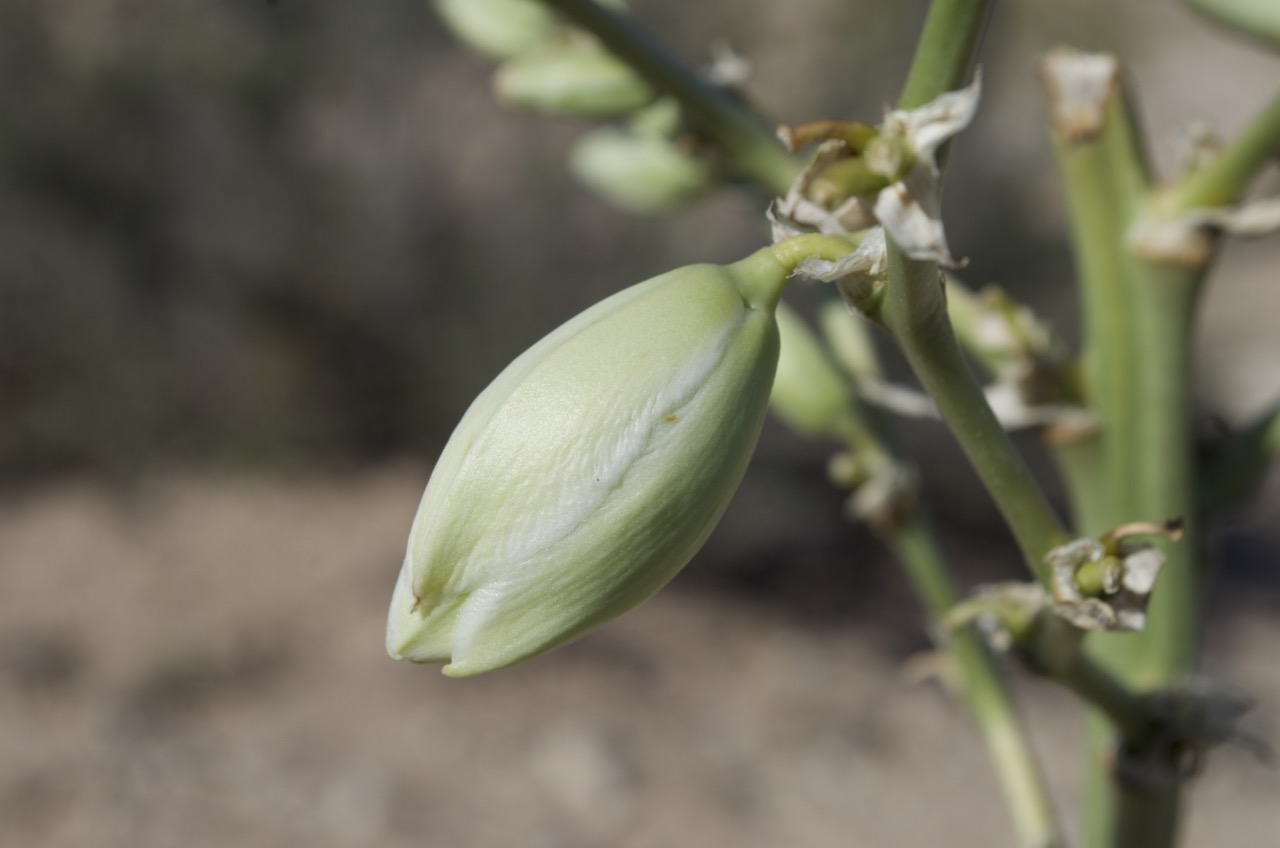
[(200, 663)]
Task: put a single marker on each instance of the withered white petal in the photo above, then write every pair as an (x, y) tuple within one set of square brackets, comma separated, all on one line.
[(1185, 239), (913, 224), (870, 260), (930, 126)]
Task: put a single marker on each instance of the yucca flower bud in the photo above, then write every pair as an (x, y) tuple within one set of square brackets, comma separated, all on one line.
[(592, 469), (809, 393), (498, 28), (577, 77), (638, 172)]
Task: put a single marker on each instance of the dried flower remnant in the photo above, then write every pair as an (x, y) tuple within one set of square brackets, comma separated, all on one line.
[(887, 177)]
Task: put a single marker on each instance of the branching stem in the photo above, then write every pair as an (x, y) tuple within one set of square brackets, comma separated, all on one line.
[(1225, 179), (749, 141)]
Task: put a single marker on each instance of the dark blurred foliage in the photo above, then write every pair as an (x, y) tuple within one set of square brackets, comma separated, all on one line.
[(272, 232), (183, 274), (301, 233)]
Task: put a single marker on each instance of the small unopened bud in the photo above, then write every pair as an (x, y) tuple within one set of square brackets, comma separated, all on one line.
[(846, 470), (851, 345), (498, 28), (636, 171), (591, 470), (1106, 584), (809, 392), (578, 78)]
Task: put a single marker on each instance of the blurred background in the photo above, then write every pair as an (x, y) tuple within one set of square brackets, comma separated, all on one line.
[(257, 257)]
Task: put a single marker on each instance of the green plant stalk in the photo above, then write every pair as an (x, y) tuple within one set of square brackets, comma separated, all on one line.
[(1055, 649), (914, 309), (1105, 181), (1079, 464), (948, 43), (914, 312), (1139, 316), (982, 687), (1099, 469), (1166, 650), (1224, 180), (977, 678), (749, 141), (1116, 816)]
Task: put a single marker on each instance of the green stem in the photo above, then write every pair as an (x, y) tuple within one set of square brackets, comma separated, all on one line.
[(914, 312), (750, 142), (1165, 297), (1138, 317), (1119, 816), (1105, 178), (978, 680), (982, 688), (1225, 179), (1132, 818), (1079, 462), (1055, 649), (948, 43)]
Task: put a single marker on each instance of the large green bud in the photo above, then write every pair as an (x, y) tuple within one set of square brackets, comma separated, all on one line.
[(591, 470)]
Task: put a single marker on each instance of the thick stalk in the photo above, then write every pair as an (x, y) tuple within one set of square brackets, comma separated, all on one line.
[(1138, 315), (1165, 651), (750, 142), (1165, 296), (1054, 649), (1105, 180)]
